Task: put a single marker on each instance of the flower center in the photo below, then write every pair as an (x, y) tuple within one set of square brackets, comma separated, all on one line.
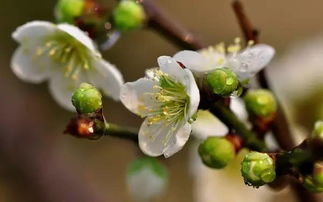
[(66, 51), (172, 101)]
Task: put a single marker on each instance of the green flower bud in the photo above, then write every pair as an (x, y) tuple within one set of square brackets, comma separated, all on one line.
[(318, 129), (128, 15), (318, 173), (258, 169), (223, 81), (311, 184), (216, 152), (260, 103), (68, 10), (146, 179), (87, 99)]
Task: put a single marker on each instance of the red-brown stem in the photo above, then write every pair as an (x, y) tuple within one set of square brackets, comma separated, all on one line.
[(280, 125), (159, 21)]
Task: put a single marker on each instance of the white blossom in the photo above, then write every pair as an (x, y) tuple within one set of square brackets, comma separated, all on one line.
[(167, 97), (245, 63), (65, 56)]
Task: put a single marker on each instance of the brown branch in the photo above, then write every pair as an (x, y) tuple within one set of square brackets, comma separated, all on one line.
[(159, 21), (280, 125)]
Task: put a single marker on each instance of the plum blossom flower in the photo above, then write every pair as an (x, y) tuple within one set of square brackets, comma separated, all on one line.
[(65, 56), (168, 98), (244, 62)]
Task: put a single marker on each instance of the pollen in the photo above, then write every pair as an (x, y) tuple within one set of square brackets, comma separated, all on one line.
[(171, 101), (64, 50)]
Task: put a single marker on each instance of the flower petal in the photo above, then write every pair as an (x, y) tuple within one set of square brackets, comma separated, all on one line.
[(251, 60), (107, 77), (170, 66), (28, 67), (62, 88), (178, 140), (153, 137), (32, 31), (80, 36), (134, 95), (193, 92), (191, 60), (207, 124)]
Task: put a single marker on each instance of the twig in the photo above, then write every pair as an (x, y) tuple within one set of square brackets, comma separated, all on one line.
[(159, 21), (280, 125), (250, 139)]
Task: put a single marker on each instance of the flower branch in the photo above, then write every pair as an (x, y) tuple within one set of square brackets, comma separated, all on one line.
[(280, 125)]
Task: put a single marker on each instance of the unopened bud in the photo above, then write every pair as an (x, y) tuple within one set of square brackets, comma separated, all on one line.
[(87, 99), (216, 152), (128, 15), (258, 169), (223, 81), (318, 130), (260, 103), (68, 10)]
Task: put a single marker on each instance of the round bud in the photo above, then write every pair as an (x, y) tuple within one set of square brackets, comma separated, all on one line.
[(216, 152), (87, 99), (258, 169), (318, 130), (68, 10), (146, 179), (128, 15), (260, 103), (223, 81)]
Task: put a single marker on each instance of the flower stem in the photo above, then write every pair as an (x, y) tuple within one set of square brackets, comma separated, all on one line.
[(122, 132), (230, 119)]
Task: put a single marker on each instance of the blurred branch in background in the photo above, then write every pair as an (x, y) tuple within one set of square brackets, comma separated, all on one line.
[(280, 124)]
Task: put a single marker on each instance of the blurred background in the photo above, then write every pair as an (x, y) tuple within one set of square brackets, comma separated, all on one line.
[(39, 163)]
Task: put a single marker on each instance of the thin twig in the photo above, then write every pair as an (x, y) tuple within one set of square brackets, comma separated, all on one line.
[(250, 139), (160, 22), (280, 124), (280, 128)]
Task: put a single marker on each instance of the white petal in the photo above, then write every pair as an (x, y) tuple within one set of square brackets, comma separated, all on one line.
[(79, 35), (191, 60), (185, 76), (238, 107), (33, 30), (153, 138), (178, 140), (251, 60), (170, 66), (106, 77), (134, 95), (193, 92), (28, 67), (213, 59), (207, 124), (62, 89)]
